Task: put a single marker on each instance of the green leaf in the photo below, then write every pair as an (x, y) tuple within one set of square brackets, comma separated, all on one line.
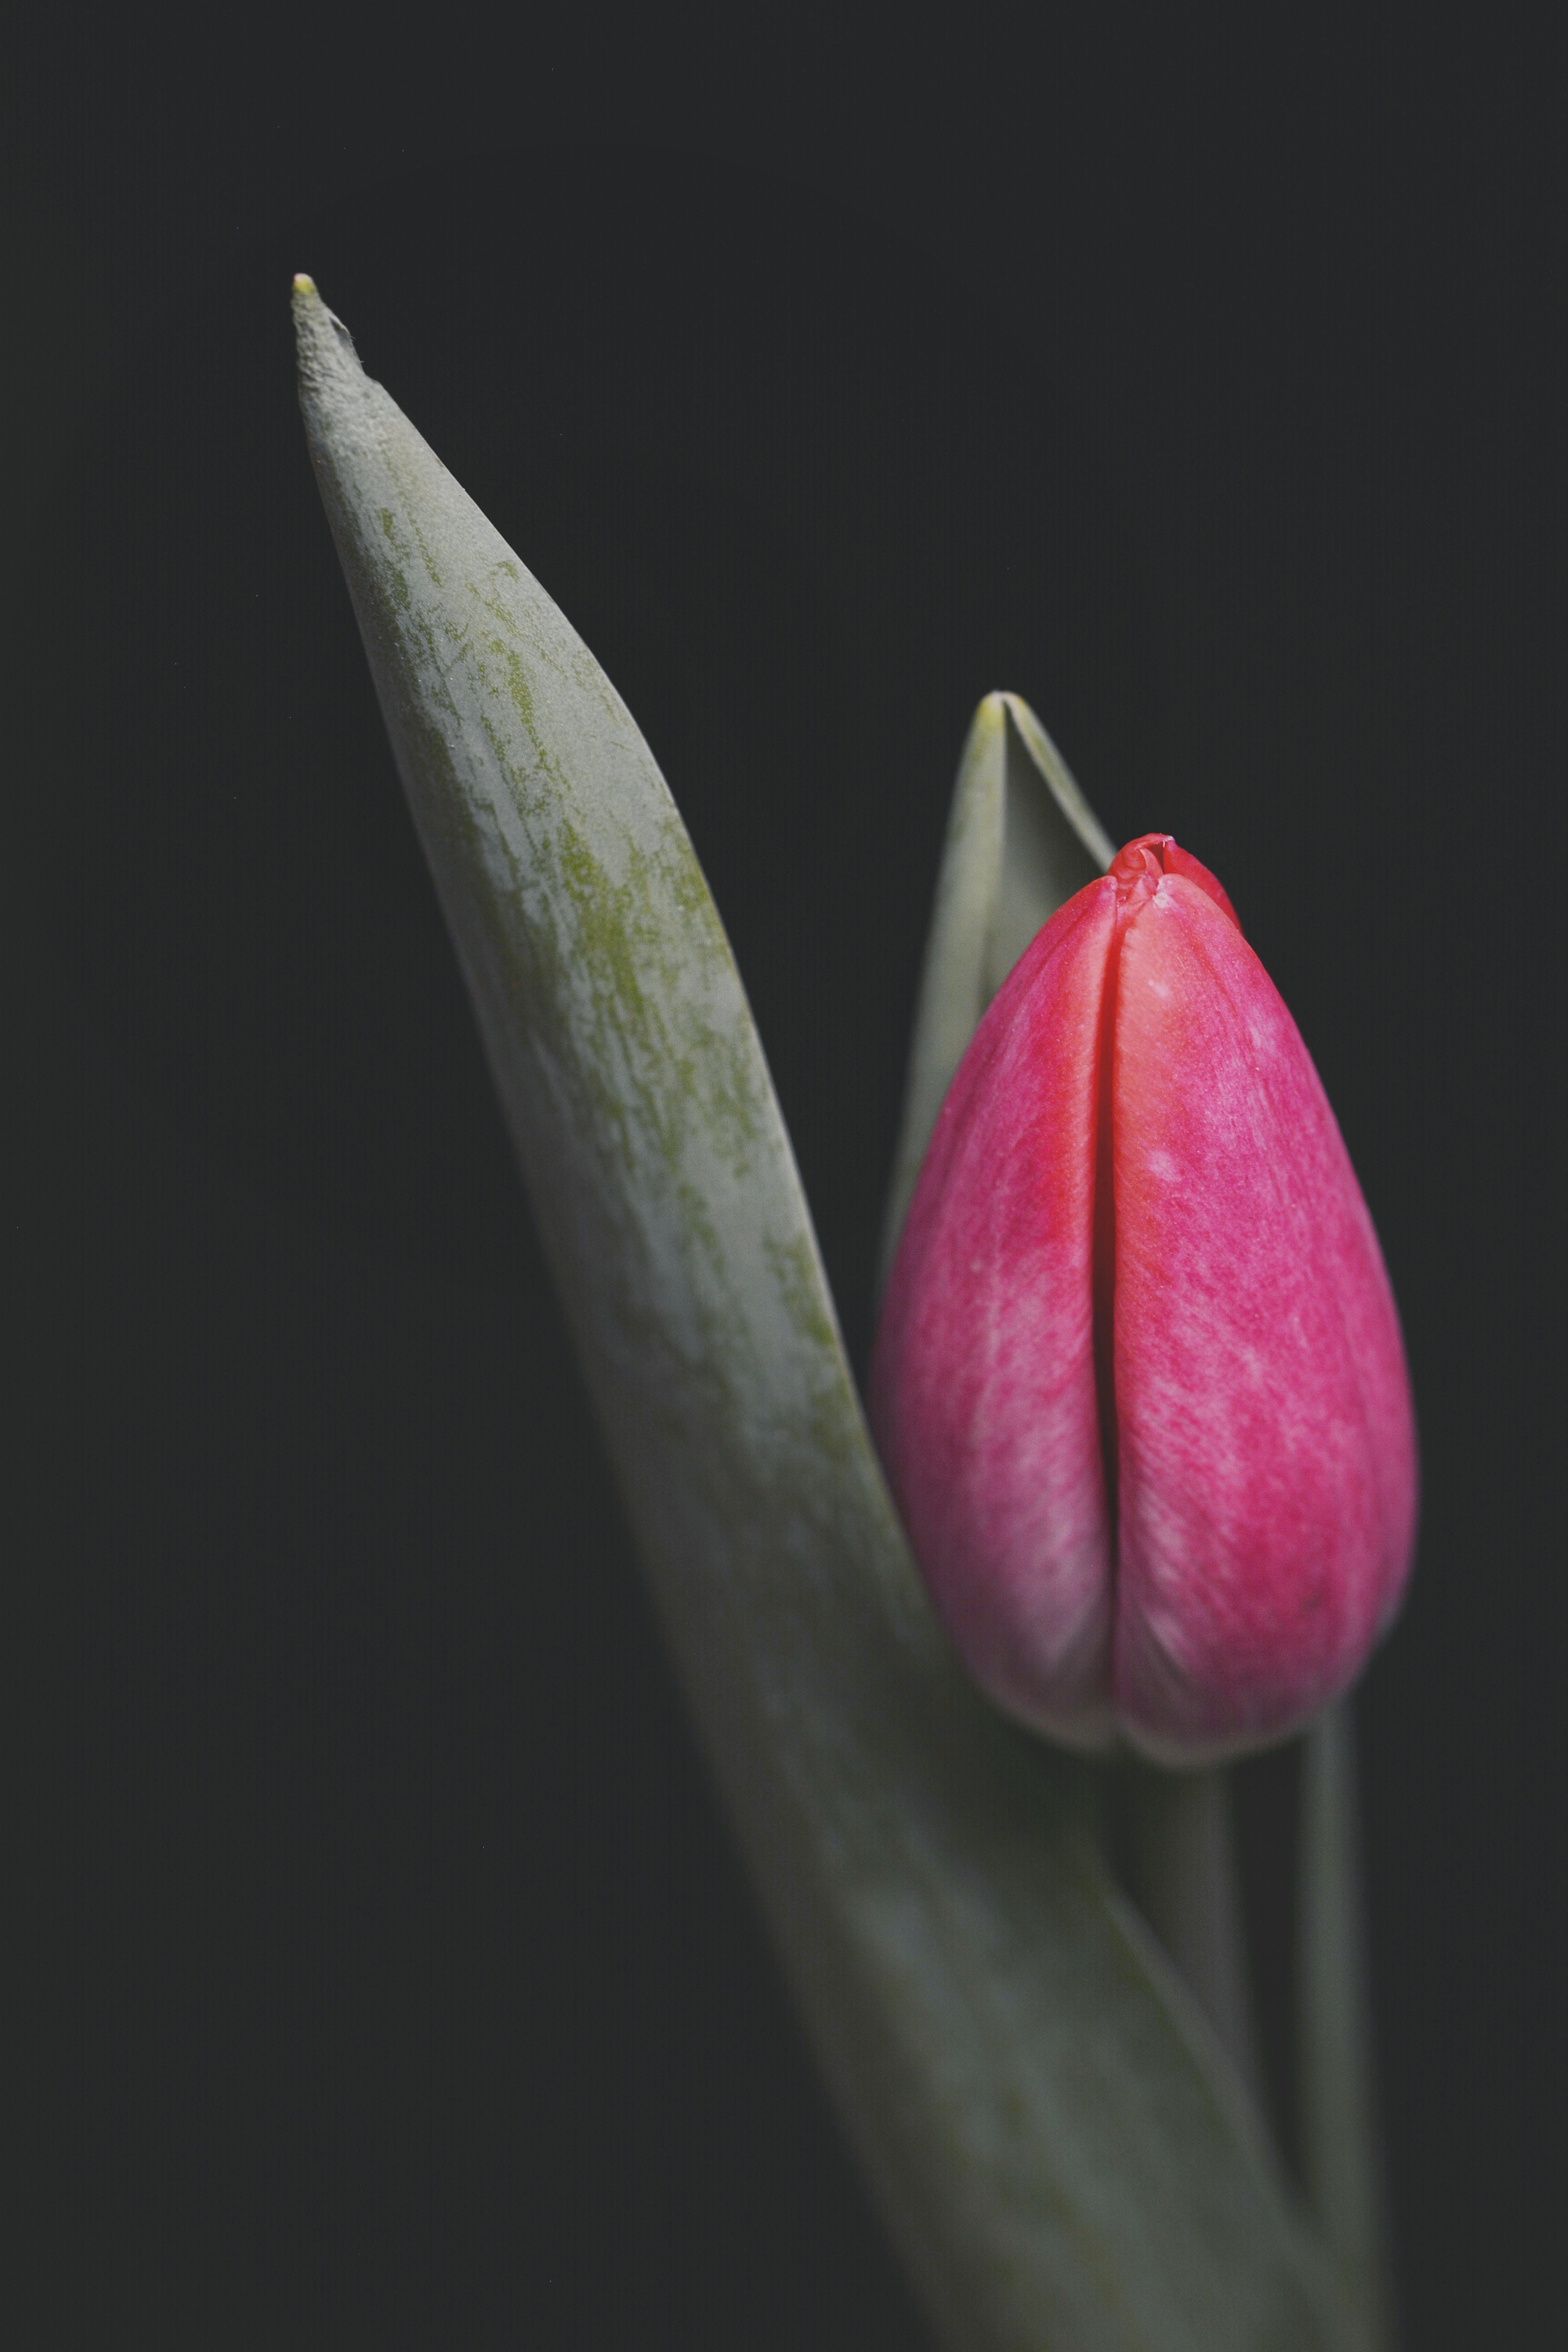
[(1060, 2156), (1021, 838)]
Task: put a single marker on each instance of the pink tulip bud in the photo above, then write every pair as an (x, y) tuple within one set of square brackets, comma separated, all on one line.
[(1139, 1384)]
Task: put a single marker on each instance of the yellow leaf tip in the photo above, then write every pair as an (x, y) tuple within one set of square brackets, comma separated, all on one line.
[(303, 285)]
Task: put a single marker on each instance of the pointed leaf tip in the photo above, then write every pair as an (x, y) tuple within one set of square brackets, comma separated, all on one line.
[(325, 347)]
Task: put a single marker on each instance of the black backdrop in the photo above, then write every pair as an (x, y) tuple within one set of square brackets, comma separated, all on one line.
[(389, 1980)]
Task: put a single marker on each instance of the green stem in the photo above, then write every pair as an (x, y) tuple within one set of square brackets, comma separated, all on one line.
[(1182, 1862), (1339, 2156)]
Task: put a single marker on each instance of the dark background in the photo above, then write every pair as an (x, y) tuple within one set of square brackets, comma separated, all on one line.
[(388, 1979)]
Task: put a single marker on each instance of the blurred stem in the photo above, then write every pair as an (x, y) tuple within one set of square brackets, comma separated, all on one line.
[(1339, 2156), (1183, 1868)]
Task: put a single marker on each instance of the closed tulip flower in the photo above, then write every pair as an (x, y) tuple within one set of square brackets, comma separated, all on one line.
[(1139, 1385)]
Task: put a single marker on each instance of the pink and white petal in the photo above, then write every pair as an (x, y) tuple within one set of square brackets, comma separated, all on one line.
[(982, 1386), (1267, 1476)]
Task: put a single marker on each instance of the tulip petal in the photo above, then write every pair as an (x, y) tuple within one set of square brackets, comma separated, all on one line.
[(984, 1390), (1266, 1478)]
